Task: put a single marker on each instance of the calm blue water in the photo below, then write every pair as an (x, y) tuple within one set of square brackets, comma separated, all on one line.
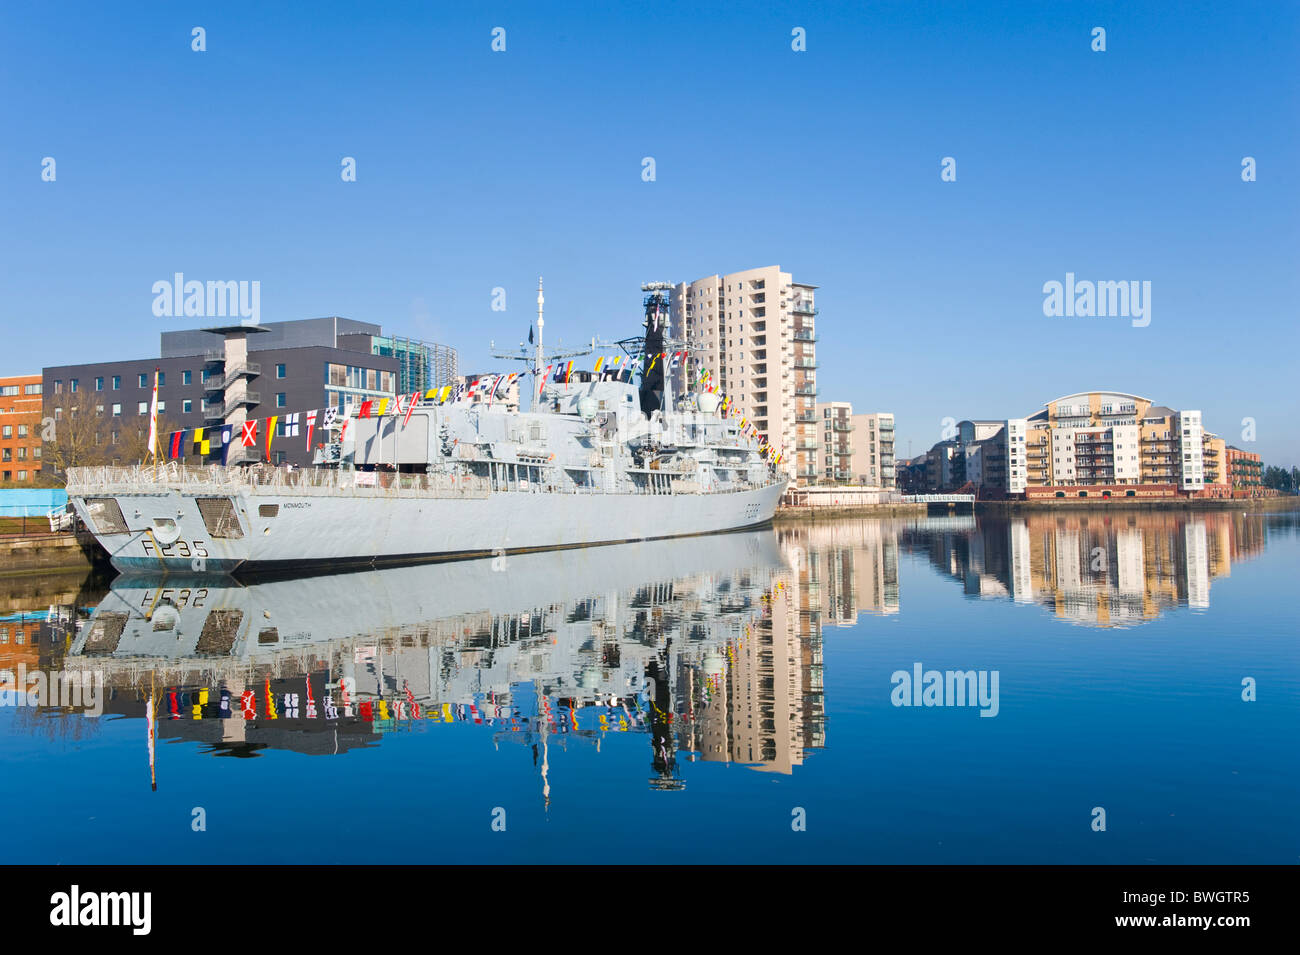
[(752, 675)]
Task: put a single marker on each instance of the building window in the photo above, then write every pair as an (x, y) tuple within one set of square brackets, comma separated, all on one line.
[(143, 378), (279, 400), (7, 431), (186, 377), (72, 384), (58, 386), (117, 409), (162, 406), (144, 407), (99, 384), (187, 405), (162, 378), (279, 371), (22, 431), (117, 382)]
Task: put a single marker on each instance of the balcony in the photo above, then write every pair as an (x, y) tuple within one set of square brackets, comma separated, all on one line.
[(806, 445), (802, 307), (844, 426), (810, 390), (809, 417), (806, 364), (805, 335)]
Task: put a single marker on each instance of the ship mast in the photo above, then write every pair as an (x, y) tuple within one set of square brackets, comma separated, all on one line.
[(541, 326), (537, 360)]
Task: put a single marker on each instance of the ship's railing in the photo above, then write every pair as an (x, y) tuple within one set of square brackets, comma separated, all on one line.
[(260, 479), (265, 479)]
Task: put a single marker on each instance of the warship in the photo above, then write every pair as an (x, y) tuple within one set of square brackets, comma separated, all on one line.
[(598, 459)]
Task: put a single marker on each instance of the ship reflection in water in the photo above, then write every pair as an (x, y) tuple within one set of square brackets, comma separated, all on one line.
[(710, 648), (708, 660)]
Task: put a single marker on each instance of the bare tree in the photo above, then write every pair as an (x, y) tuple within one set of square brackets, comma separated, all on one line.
[(82, 434)]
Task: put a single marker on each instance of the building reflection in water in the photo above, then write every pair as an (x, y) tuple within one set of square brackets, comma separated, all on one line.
[(1115, 569)]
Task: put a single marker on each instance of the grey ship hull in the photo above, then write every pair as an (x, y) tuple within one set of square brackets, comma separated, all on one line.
[(284, 529)]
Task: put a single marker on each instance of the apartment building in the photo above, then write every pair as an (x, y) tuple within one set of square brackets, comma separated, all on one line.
[(1112, 439), (1245, 469), (755, 332), (854, 448), (833, 448), (1112, 442), (873, 450), (20, 428)]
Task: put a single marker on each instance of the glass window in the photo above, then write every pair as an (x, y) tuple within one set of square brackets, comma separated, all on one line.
[(58, 386), (143, 380), (72, 384), (32, 389), (117, 409), (187, 377), (187, 405), (7, 431), (144, 407), (22, 431), (117, 382), (279, 371), (99, 384), (279, 400), (162, 378)]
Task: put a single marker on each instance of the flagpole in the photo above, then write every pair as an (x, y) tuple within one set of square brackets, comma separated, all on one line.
[(153, 425)]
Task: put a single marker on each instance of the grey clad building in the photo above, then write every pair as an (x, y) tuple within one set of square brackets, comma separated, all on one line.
[(227, 375)]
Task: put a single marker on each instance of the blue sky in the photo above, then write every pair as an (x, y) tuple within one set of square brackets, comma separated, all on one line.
[(478, 169)]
